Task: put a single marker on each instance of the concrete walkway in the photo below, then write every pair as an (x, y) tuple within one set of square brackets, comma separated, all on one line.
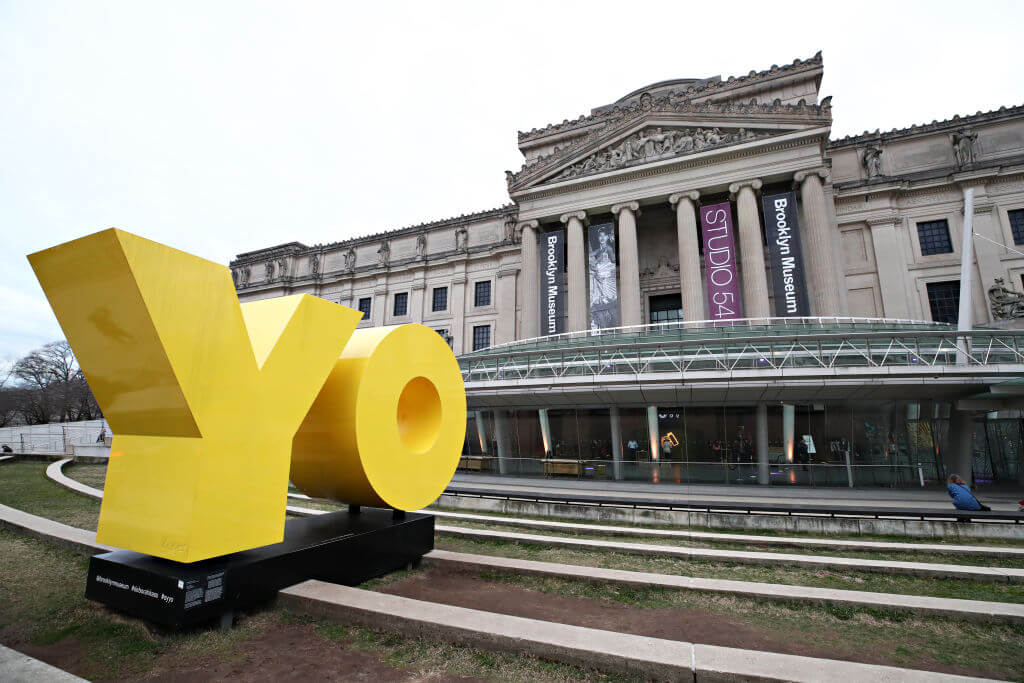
[(974, 610), (683, 534), (748, 557), (626, 653), (833, 496), (18, 668)]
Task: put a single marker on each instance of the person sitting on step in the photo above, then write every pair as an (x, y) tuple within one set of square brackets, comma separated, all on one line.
[(960, 492)]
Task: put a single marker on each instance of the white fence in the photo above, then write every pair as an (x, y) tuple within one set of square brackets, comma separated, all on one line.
[(56, 437)]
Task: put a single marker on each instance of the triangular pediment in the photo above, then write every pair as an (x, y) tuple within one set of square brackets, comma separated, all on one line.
[(654, 134)]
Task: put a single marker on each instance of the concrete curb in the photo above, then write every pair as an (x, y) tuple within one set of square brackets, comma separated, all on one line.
[(727, 520), (608, 650), (973, 610), (993, 551), (72, 538), (749, 557), (18, 668), (5, 457)]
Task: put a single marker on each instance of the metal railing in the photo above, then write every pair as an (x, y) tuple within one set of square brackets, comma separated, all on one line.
[(684, 328), (909, 474), (861, 346)]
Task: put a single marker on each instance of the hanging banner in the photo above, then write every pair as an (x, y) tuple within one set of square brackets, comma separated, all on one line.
[(552, 275), (604, 291), (723, 283), (782, 228)]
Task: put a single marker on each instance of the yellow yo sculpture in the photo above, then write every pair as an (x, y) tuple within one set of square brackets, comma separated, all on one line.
[(204, 396), (389, 423)]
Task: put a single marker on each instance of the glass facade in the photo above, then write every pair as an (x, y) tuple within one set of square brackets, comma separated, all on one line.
[(876, 443)]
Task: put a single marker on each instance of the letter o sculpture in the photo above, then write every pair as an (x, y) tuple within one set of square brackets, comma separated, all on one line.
[(388, 425)]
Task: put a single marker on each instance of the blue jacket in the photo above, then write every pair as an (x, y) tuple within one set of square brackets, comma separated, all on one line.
[(962, 497)]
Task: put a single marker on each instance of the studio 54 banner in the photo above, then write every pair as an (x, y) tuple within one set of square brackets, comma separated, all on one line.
[(782, 228), (552, 276), (723, 284), (604, 293)]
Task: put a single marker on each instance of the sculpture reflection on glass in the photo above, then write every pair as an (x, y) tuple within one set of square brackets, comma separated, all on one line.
[(204, 396)]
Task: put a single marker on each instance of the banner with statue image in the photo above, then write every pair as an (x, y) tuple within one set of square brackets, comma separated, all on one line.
[(604, 290)]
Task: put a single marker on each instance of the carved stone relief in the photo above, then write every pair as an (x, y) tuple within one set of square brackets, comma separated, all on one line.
[(350, 259), (1007, 303), (462, 239), (421, 245), (872, 161), (964, 143), (652, 144), (384, 253)]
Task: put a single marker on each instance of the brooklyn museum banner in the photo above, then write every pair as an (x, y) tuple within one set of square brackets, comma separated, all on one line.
[(552, 275), (787, 264)]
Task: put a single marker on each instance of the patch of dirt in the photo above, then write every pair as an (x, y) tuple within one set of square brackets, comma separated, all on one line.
[(463, 588), (290, 653), (279, 653), (67, 653)]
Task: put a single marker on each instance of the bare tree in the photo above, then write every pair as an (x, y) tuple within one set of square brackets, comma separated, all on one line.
[(53, 388)]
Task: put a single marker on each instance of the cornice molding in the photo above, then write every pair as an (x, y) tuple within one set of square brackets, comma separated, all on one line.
[(297, 248), (889, 217), (697, 91), (741, 119), (675, 165), (957, 121)]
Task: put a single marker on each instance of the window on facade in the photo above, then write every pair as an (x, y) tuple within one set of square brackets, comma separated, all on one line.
[(1017, 225), (401, 303), (666, 308), (440, 299), (444, 335), (482, 293), (364, 307), (481, 337), (944, 300), (934, 238)]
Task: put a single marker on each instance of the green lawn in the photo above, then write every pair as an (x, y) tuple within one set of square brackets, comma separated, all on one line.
[(43, 611), (24, 485)]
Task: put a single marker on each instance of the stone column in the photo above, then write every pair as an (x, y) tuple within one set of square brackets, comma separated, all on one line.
[(545, 432), (458, 305), (755, 280), (629, 264), (818, 233), (481, 432), (416, 300), (379, 304), (761, 444), (691, 289), (504, 447), (652, 431), (505, 302), (961, 441), (577, 267), (890, 264), (616, 421), (530, 285), (987, 255)]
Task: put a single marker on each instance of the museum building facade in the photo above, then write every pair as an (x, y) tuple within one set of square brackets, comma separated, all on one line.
[(720, 200)]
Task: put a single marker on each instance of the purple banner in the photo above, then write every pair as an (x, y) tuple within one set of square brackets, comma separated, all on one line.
[(723, 282)]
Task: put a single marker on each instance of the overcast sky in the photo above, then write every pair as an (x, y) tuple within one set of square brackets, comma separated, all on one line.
[(220, 127)]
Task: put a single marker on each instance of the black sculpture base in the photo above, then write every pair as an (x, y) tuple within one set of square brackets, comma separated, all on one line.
[(347, 547)]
